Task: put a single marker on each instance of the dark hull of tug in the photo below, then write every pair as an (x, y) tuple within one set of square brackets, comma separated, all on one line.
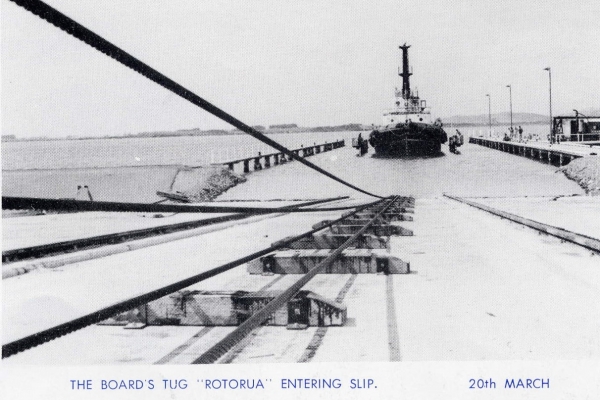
[(406, 140)]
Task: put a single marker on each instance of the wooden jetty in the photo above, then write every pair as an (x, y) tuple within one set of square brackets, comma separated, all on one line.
[(261, 161), (556, 154)]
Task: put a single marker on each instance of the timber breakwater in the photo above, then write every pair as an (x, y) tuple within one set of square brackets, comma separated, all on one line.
[(261, 161)]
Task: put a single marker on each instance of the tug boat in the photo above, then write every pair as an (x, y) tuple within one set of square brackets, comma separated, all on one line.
[(408, 129)]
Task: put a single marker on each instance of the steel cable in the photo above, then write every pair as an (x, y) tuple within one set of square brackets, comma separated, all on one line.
[(224, 345), (29, 203), (57, 331), (80, 32)]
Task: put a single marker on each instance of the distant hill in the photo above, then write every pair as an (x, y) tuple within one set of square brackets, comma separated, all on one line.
[(497, 119), (181, 132)]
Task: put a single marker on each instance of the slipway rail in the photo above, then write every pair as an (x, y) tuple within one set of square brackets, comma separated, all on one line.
[(572, 237), (94, 40), (224, 345), (121, 237), (46, 335)]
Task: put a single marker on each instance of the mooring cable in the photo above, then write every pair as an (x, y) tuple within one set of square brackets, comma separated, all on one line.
[(80, 32), (35, 203), (41, 337), (46, 249), (255, 320)]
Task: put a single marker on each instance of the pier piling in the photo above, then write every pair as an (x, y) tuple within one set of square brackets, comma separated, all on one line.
[(543, 152), (281, 158)]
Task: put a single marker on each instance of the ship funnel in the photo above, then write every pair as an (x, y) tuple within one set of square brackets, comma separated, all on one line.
[(405, 72)]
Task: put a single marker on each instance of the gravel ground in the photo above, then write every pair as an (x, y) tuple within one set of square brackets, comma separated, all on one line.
[(586, 172)]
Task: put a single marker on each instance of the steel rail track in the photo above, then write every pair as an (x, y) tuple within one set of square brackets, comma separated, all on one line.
[(228, 342), (120, 237), (57, 331), (587, 242), (94, 40)]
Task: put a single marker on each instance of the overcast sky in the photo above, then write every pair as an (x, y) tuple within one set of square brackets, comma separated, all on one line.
[(305, 62)]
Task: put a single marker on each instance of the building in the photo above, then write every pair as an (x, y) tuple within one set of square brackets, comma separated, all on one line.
[(577, 128)]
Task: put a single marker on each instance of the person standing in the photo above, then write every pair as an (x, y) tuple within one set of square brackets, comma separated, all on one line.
[(520, 130), (460, 138), (359, 143)]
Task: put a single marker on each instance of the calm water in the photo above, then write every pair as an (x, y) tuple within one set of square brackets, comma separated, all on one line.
[(478, 171), (186, 150)]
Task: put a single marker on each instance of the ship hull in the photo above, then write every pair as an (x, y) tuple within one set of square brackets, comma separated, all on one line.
[(412, 139)]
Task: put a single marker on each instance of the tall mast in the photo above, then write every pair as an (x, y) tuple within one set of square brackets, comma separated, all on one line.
[(405, 72)]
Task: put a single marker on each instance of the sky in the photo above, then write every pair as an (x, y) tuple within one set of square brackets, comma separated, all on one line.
[(306, 62)]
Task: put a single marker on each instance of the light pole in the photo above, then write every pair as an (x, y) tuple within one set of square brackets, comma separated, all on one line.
[(550, 82), (490, 112), (510, 96)]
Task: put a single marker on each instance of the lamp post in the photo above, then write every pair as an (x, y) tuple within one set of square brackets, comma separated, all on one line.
[(550, 83), (510, 96), (576, 123), (490, 112)]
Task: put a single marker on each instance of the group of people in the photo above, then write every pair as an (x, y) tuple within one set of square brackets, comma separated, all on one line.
[(515, 134), (455, 141)]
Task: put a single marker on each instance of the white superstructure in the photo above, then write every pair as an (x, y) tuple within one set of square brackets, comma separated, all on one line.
[(408, 106), (411, 108)]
